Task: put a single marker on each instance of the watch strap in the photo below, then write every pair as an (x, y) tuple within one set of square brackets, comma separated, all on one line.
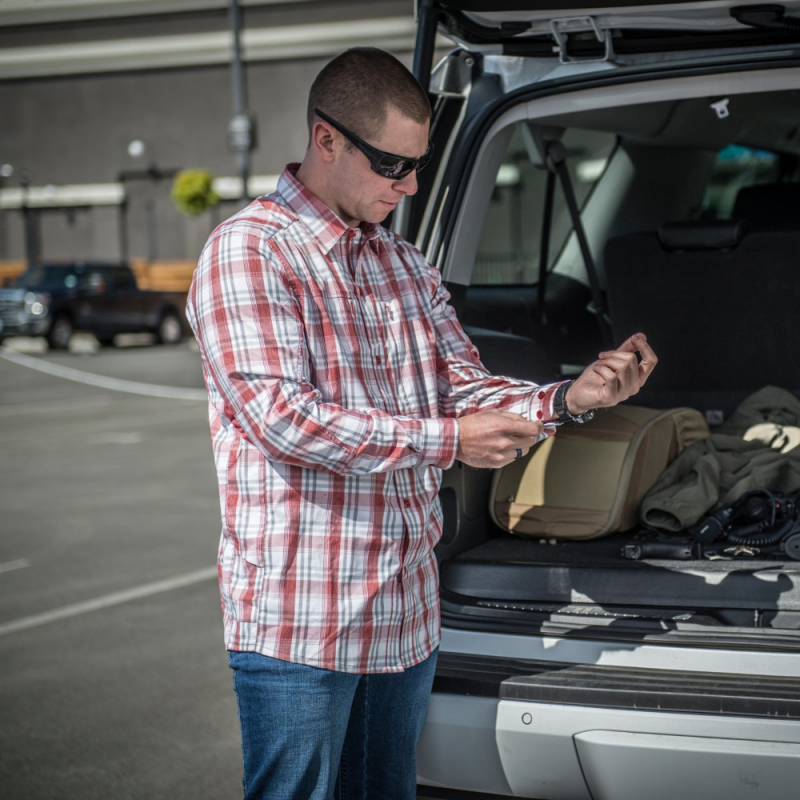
[(560, 407)]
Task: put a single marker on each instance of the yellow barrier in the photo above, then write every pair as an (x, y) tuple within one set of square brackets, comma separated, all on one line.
[(163, 276), (9, 270)]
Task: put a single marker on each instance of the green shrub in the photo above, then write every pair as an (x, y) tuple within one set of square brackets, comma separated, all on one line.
[(193, 191)]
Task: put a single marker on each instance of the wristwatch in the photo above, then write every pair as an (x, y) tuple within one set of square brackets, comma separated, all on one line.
[(560, 407)]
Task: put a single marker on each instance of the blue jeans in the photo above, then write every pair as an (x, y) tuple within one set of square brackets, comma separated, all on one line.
[(316, 734)]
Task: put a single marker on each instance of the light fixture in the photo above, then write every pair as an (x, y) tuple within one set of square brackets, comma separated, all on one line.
[(136, 148)]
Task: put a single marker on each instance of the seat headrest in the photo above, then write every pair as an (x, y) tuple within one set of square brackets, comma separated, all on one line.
[(702, 235), (769, 205)]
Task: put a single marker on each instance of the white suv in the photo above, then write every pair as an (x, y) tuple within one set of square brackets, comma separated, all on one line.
[(568, 672)]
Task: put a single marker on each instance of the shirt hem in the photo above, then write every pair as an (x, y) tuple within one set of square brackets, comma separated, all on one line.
[(233, 644)]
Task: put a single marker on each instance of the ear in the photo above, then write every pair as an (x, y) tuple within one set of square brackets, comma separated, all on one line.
[(323, 141)]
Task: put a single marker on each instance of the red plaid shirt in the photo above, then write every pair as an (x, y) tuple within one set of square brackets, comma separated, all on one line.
[(336, 371)]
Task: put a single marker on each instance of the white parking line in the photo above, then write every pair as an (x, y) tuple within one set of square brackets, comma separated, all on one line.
[(20, 563), (115, 599), (114, 384)]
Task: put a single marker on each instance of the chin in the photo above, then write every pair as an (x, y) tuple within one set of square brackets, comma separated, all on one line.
[(380, 214)]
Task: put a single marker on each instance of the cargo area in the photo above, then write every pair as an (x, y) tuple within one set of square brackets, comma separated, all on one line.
[(692, 216)]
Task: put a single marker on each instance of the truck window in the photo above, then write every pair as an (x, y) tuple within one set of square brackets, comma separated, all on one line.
[(94, 282), (123, 278)]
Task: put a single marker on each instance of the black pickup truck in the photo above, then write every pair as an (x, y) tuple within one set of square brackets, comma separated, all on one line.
[(53, 300)]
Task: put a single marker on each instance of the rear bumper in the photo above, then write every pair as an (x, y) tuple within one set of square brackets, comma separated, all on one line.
[(561, 731)]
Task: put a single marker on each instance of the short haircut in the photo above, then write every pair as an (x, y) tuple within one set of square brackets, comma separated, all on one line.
[(358, 87)]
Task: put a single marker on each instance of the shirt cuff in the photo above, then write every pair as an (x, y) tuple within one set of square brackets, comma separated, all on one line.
[(541, 406), (436, 440)]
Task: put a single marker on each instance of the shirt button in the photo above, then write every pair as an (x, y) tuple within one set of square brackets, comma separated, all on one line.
[(378, 360), (541, 395), (406, 502), (539, 414)]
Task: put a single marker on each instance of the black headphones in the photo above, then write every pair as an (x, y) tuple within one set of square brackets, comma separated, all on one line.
[(750, 520)]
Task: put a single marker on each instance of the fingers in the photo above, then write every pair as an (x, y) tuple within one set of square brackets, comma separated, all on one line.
[(631, 344), (606, 373), (511, 455), (617, 360), (615, 376), (649, 358), (495, 438), (622, 360), (516, 428), (621, 366), (638, 343)]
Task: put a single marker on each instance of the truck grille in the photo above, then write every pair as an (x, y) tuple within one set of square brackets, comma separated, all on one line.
[(9, 310)]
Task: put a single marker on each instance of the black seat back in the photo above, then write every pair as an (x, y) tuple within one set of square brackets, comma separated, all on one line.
[(769, 206), (720, 303)]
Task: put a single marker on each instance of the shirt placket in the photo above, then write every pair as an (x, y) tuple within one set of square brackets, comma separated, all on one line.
[(376, 332), (372, 324)]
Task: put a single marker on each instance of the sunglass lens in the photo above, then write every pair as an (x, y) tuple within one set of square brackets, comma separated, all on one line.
[(396, 168)]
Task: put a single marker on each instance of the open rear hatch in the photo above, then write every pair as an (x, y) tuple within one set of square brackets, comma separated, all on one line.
[(575, 29), (494, 581)]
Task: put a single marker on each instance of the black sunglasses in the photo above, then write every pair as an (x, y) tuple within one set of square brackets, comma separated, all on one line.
[(386, 164)]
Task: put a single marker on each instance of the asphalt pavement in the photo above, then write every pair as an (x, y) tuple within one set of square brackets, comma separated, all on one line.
[(114, 681)]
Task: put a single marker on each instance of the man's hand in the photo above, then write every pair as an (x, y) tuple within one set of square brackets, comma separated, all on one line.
[(614, 377), (491, 438)]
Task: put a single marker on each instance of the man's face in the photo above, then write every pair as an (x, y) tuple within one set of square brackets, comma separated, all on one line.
[(361, 194)]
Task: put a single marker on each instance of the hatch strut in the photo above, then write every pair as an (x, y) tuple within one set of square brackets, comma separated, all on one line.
[(544, 247), (555, 160), (428, 20)]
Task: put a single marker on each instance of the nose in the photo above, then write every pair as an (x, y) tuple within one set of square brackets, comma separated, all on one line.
[(407, 185)]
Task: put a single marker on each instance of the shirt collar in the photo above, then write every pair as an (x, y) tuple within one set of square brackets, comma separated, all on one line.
[(326, 227)]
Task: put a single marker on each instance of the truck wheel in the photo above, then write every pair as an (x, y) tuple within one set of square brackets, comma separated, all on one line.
[(60, 333), (170, 329)]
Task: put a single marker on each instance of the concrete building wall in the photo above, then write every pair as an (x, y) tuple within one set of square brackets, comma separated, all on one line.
[(76, 128)]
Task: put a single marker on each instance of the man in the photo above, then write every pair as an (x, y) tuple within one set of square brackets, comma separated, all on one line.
[(340, 385)]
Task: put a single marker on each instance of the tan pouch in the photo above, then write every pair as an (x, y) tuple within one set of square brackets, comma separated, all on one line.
[(589, 480)]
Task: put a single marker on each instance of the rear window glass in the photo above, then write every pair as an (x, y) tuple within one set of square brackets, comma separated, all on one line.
[(734, 168), (508, 251)]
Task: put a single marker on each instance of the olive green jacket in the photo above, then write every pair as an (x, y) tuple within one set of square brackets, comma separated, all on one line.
[(715, 471)]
